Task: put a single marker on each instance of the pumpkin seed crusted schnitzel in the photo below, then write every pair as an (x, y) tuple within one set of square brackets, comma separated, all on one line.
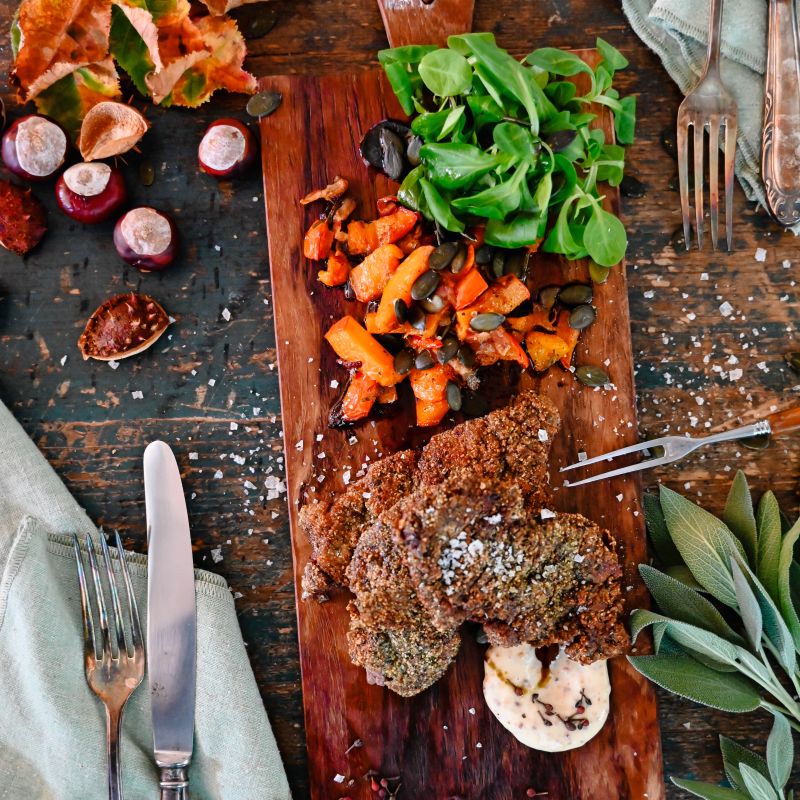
[(428, 541)]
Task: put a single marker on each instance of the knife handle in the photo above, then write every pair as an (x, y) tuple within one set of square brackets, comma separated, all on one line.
[(786, 421), (174, 783), (782, 114)]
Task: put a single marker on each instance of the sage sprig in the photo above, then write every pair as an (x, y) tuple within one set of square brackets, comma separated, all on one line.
[(508, 143), (727, 633)]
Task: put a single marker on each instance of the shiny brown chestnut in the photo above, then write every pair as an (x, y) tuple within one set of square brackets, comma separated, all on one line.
[(146, 239), (34, 147), (227, 148), (90, 191)]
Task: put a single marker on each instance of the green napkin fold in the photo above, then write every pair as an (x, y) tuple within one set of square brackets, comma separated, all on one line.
[(52, 727), (677, 31)]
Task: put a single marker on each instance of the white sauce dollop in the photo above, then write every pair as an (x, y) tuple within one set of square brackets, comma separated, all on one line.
[(146, 231), (222, 147), (88, 180), (555, 710), (41, 146)]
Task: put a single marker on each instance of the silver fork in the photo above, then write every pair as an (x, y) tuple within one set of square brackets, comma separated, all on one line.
[(708, 106), (676, 447), (116, 671)]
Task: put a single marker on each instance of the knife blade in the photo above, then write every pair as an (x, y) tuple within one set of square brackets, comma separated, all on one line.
[(171, 619)]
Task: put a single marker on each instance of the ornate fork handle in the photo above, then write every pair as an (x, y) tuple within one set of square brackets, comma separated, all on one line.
[(781, 139)]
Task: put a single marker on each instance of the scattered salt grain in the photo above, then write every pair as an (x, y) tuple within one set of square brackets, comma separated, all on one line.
[(546, 513), (542, 435), (299, 446), (249, 485), (582, 456), (704, 276), (579, 559), (761, 254), (334, 384), (212, 382), (216, 555), (726, 309), (234, 426), (472, 711), (63, 360), (193, 456), (113, 364), (137, 395), (226, 315), (218, 474), (649, 294), (620, 497), (787, 264), (338, 778)]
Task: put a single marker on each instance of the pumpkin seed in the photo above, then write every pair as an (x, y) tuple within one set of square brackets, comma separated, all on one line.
[(793, 360), (433, 304), (392, 342), (264, 103), (487, 321), (453, 393), (401, 310), (416, 318), (597, 273), (560, 140), (256, 20), (448, 349), (548, 296), (425, 285), (424, 360), (472, 404), (442, 256), (592, 376), (403, 362), (632, 187), (484, 255), (582, 317), (516, 264), (147, 173), (498, 263), (760, 442), (412, 150), (466, 355), (459, 259), (575, 294)]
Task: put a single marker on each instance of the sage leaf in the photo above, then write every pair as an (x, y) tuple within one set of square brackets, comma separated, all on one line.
[(733, 754), (683, 574), (757, 785), (739, 516), (687, 677), (677, 600), (704, 542), (769, 543), (786, 568), (445, 72), (708, 791), (749, 610), (657, 530), (780, 751)]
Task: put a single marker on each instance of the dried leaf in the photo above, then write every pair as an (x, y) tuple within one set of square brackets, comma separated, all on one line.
[(134, 42), (56, 37), (23, 220), (110, 129), (123, 326)]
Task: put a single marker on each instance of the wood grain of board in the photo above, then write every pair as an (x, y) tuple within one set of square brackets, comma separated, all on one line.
[(444, 742)]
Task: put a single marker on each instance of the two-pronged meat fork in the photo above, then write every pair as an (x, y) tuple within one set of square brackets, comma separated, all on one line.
[(676, 447)]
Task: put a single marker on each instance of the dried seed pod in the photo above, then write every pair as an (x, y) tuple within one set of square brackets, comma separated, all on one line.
[(123, 326), (23, 220), (110, 129), (34, 147), (227, 148)]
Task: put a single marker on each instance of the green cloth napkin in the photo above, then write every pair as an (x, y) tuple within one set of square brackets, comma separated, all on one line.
[(677, 30), (52, 727)]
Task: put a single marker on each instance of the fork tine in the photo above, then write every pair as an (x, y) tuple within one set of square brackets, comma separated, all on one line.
[(713, 176), (116, 608), (101, 604), (633, 448), (683, 174), (133, 609), (730, 158), (646, 464), (699, 130), (88, 622)]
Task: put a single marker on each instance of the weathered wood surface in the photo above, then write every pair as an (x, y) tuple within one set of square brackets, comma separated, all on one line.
[(400, 735), (83, 417)]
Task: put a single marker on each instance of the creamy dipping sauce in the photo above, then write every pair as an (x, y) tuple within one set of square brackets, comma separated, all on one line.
[(554, 709)]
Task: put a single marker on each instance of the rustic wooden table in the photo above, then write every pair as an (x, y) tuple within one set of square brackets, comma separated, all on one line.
[(211, 386)]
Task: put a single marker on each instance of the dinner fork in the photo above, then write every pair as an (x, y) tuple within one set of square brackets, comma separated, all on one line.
[(112, 676), (676, 447), (709, 105)]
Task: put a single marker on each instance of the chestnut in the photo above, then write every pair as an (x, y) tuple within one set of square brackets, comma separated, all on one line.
[(146, 238), (34, 147), (90, 191), (227, 148)]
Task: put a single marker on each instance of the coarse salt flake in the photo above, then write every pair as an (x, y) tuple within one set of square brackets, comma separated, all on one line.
[(216, 555), (546, 513), (212, 382), (226, 315), (137, 395), (234, 426), (761, 254), (299, 446), (218, 474), (726, 309), (193, 456), (113, 364), (543, 437), (338, 778)]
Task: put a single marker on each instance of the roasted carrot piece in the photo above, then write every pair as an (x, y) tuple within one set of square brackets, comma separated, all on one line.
[(318, 240), (502, 297), (423, 342), (387, 205), (497, 345), (387, 394), (361, 394), (430, 392), (412, 240), (330, 192), (538, 318), (545, 349), (354, 344), (369, 278), (364, 237), (337, 271), (399, 286), (469, 289), (569, 335)]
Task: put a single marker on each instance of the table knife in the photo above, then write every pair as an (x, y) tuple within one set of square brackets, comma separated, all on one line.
[(171, 620), (780, 150)]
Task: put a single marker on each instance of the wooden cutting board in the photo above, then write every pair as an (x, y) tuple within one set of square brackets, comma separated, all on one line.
[(444, 743)]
